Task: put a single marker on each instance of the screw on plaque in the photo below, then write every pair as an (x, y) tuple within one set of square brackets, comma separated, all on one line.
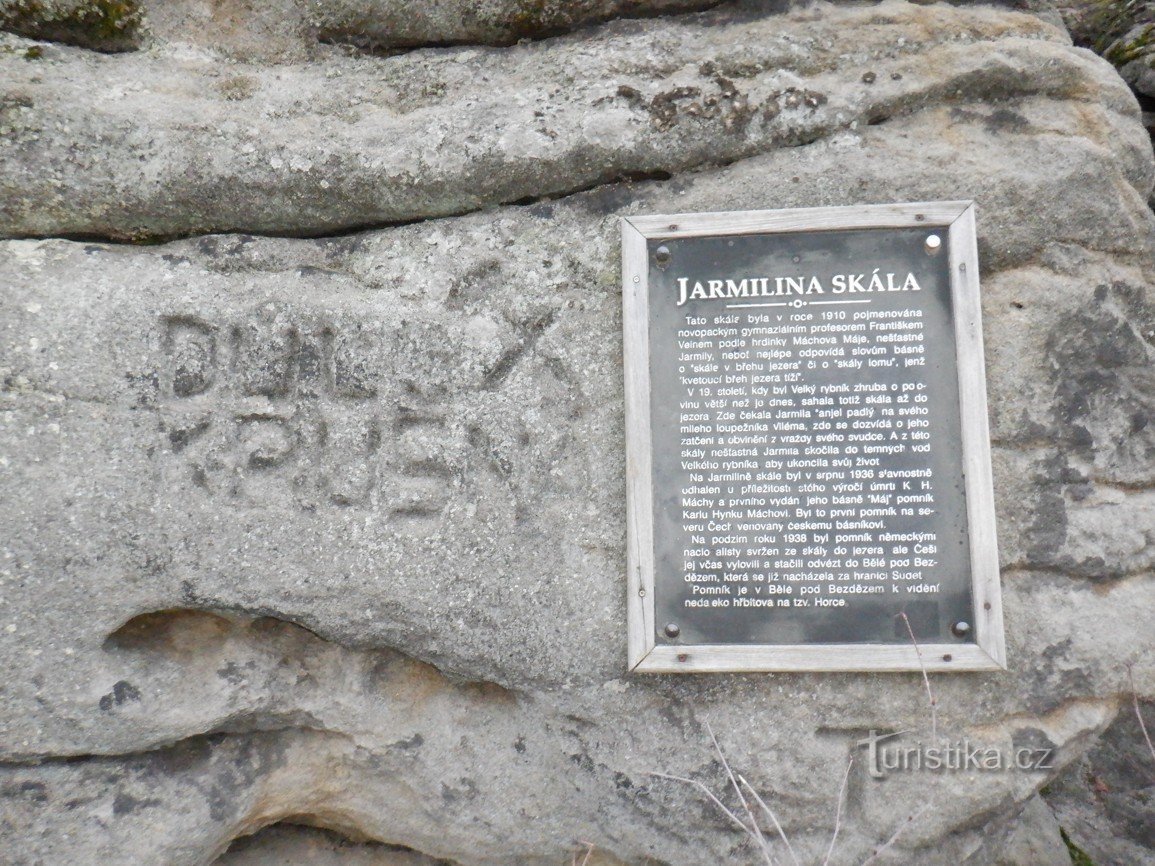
[(961, 628), (933, 245), (672, 630), (662, 256)]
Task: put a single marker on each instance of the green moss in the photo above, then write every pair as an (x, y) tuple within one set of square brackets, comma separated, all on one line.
[(34, 52), (104, 25), (109, 19), (1121, 53), (1111, 19), (1078, 855), (535, 19)]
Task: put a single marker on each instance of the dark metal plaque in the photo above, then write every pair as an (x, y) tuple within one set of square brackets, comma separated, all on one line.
[(806, 456)]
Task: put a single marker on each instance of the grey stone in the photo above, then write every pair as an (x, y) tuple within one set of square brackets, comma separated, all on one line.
[(1104, 800), (400, 439), (235, 33), (1126, 37), (291, 845), (1122, 32), (1033, 839), (380, 24), (1026, 834), (1141, 75), (329, 531), (294, 845), (181, 142), (278, 30), (1084, 19)]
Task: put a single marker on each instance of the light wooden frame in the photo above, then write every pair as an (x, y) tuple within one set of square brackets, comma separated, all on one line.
[(988, 653)]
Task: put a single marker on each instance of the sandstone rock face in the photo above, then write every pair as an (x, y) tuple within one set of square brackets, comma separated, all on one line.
[(1104, 799), (182, 143), (327, 529), (281, 845), (276, 29), (393, 23), (280, 30)]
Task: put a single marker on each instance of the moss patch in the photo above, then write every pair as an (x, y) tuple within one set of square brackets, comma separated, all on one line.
[(1078, 855), (103, 25), (1134, 45)]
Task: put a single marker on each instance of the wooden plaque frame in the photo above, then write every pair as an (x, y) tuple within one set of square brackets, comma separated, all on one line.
[(956, 219)]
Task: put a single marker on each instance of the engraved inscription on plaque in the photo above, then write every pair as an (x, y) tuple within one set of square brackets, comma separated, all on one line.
[(808, 456)]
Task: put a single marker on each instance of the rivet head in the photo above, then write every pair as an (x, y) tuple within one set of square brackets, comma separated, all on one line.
[(933, 244), (637, 279), (672, 629), (662, 256), (948, 657), (683, 657), (961, 628)]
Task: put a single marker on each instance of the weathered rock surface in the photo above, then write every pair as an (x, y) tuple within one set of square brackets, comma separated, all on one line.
[(1034, 837), (288, 845), (284, 29), (330, 530), (378, 24), (181, 143), (1104, 800), (1122, 31), (1126, 37)]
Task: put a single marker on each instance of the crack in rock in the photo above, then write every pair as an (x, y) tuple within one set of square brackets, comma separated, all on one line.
[(469, 129)]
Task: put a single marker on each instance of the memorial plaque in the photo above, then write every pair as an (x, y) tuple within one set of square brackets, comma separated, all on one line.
[(809, 482)]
